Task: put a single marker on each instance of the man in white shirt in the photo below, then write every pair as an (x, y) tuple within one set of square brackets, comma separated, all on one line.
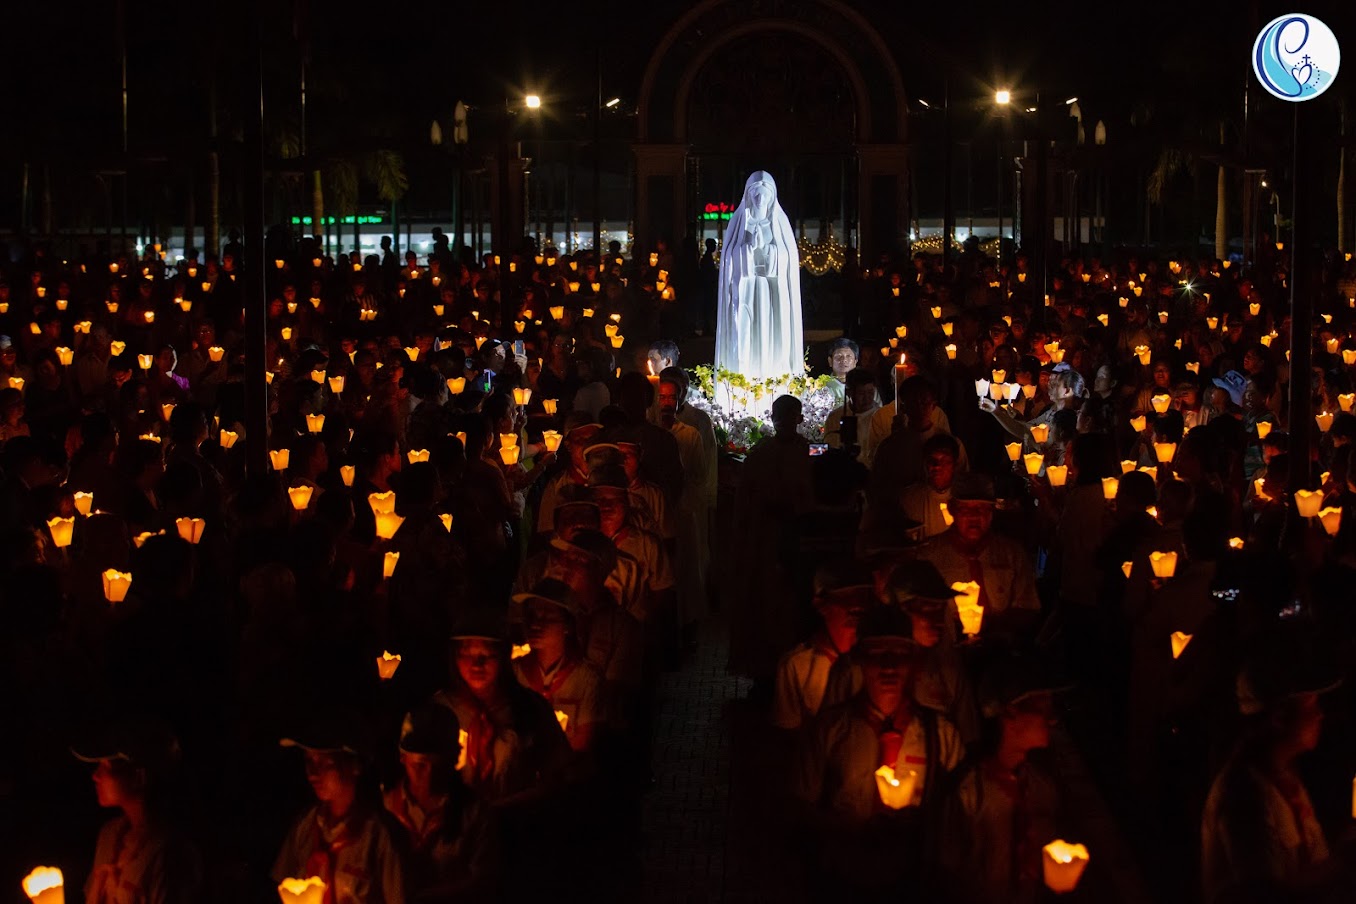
[(860, 402)]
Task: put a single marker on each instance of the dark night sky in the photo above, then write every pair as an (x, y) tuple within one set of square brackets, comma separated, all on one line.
[(403, 64)]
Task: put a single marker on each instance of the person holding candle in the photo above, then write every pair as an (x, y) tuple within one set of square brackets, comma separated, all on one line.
[(1066, 390), (555, 668), (1260, 839), (923, 502), (515, 748), (861, 401), (841, 595), (342, 838), (450, 836), (970, 551), (1002, 805), (863, 847), (141, 855)]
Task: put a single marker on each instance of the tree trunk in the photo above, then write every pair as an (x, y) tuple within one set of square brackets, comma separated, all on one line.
[(212, 240), (317, 209), (190, 214), (1221, 207)]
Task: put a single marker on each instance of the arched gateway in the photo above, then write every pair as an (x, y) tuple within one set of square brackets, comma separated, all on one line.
[(806, 89)]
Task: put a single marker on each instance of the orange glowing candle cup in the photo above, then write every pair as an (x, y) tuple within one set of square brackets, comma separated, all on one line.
[(1179, 643), (1057, 474), (84, 503), (1063, 865), (280, 458), (896, 791), (300, 496), (302, 891), (347, 473), (190, 529), (389, 563), (1164, 564), (387, 524), (116, 584), (45, 885), (61, 530), (387, 663), (1109, 487)]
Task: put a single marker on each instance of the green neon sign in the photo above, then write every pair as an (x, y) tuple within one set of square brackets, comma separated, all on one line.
[(346, 221)]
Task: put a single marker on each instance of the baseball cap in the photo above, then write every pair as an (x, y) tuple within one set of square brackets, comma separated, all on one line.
[(970, 486), (1014, 679), (430, 730), (1233, 383), (143, 741), (549, 590)]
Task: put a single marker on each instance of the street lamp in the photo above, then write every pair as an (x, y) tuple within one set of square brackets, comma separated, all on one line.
[(1003, 96), (533, 102)]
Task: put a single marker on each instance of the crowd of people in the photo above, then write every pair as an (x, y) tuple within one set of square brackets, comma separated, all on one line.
[(417, 658)]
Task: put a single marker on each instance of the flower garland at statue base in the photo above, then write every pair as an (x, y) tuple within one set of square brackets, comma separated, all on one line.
[(740, 408)]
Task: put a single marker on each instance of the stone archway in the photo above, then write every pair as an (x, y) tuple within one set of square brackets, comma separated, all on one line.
[(679, 73)]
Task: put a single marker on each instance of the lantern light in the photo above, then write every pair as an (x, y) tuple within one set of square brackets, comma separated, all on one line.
[(387, 524), (84, 502), (1033, 462), (228, 438), (190, 529), (300, 496), (1263, 428), (1014, 451), (61, 530), (1040, 433), (388, 563), (1109, 486), (382, 503), (116, 584), (1331, 518), (1139, 423), (386, 663), (446, 519), (1346, 400), (1127, 465), (145, 361), (1161, 401), (45, 885), (550, 405), (947, 518), (951, 351), (1164, 564), (896, 791), (280, 458), (337, 384), (1235, 542), (1144, 353), (1324, 419), (968, 607), (1063, 865), (1151, 471), (416, 456), (456, 385), (302, 891), (347, 473), (509, 455), (551, 439), (1057, 474), (521, 395), (1179, 643), (1308, 502), (1165, 451)]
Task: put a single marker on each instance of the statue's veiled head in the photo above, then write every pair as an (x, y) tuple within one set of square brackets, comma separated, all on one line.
[(760, 192)]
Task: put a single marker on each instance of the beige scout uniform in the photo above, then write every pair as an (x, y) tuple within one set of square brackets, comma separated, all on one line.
[(573, 688), (355, 857), (1252, 837), (802, 676), (155, 870), (505, 756), (837, 764)]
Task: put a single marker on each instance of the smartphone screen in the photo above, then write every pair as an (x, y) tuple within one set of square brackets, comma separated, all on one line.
[(818, 449), (519, 349)]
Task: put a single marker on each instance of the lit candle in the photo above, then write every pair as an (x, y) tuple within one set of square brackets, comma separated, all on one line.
[(1057, 474), (1063, 865), (386, 663)]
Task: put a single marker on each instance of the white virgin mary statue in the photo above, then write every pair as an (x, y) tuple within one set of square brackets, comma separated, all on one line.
[(758, 330)]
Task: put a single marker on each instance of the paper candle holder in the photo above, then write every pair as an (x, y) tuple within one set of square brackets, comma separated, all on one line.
[(1165, 451), (280, 458), (1057, 474), (1014, 451), (386, 662), (61, 530), (1331, 518), (382, 503), (387, 523), (228, 438), (1179, 643), (1164, 564), (1033, 461), (300, 496), (896, 791), (446, 519), (190, 529), (1063, 865), (347, 473), (389, 562), (302, 891), (84, 502), (1109, 487), (116, 584), (45, 885), (1308, 502)]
